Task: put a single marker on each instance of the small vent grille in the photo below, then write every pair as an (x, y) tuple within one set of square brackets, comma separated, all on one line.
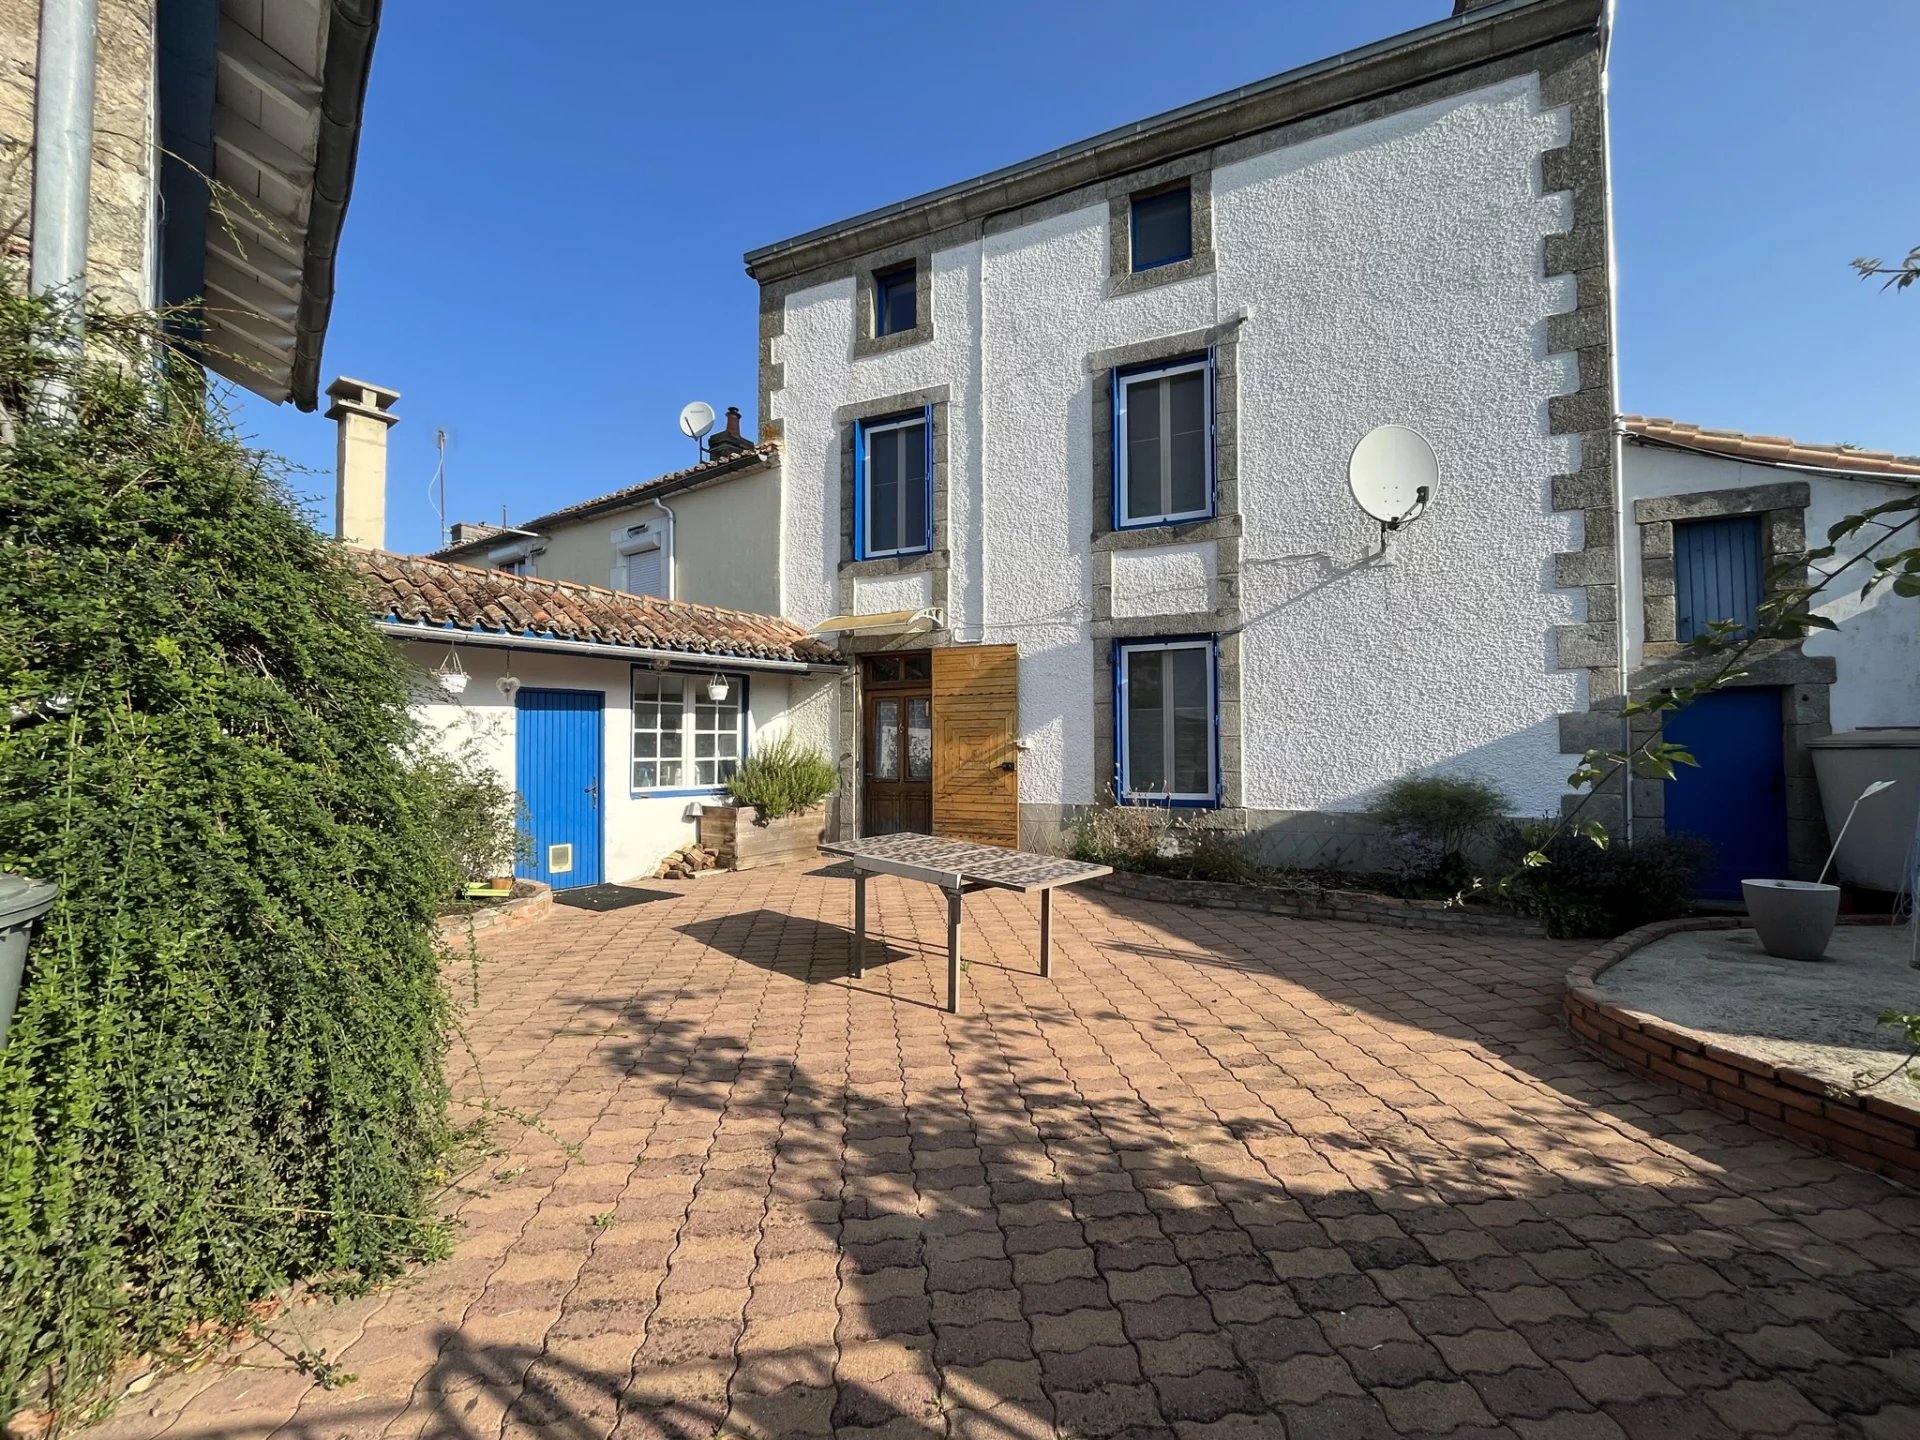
[(559, 859)]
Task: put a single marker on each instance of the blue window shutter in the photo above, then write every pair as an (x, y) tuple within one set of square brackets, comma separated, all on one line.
[(928, 412), (1219, 779), (1119, 722), (1119, 438), (859, 491), (1718, 574)]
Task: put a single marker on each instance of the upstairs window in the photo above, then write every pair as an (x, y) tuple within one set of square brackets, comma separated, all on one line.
[(1163, 227), (517, 558), (1163, 443), (1169, 733), (1719, 573), (893, 485), (895, 302), (682, 738)]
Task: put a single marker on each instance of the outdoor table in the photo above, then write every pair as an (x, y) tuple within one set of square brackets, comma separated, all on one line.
[(958, 867)]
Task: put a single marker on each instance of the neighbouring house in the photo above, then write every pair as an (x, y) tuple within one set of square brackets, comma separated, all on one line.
[(113, 197), (709, 534), (615, 716), (1707, 513), (1065, 452)]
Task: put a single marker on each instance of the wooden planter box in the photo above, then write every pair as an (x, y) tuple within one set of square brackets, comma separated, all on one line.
[(742, 841)]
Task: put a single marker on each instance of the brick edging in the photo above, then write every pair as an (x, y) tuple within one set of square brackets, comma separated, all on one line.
[(1355, 905), (1870, 1131), (519, 911)]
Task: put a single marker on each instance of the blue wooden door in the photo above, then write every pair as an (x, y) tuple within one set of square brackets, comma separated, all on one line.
[(1737, 799), (1717, 573), (558, 771)]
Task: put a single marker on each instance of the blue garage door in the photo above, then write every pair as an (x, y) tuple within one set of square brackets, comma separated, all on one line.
[(557, 765), (1737, 799)]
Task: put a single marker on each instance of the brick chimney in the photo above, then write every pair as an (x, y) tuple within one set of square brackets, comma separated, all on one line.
[(729, 441), (364, 414)]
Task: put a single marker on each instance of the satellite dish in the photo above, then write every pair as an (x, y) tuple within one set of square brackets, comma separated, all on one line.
[(696, 420), (1393, 475)]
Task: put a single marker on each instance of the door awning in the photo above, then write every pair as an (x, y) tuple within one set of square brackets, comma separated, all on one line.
[(887, 622)]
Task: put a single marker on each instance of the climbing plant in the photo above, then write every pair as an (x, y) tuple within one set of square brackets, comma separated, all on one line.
[(224, 1073)]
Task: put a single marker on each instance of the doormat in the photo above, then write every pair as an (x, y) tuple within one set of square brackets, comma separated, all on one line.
[(609, 897)]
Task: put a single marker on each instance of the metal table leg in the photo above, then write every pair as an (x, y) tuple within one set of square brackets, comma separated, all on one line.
[(1046, 933), (953, 951), (859, 924)]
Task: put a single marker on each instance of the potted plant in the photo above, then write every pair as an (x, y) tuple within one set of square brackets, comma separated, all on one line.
[(1795, 918), (777, 813)]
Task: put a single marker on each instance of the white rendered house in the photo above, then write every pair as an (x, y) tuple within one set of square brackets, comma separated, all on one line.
[(1065, 451)]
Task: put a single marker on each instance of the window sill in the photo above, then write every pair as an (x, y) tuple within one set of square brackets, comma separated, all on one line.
[(1172, 532), (1164, 802), (867, 345), (903, 564), (696, 793), (1131, 282)]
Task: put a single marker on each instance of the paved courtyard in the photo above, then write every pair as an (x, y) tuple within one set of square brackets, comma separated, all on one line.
[(1223, 1175)]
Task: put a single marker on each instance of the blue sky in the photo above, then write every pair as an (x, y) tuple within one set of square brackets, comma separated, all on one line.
[(543, 252)]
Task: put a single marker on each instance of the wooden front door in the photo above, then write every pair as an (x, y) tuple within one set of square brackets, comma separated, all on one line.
[(897, 736), (976, 732)]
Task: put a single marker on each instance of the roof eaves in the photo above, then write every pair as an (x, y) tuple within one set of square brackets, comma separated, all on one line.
[(351, 31), (1454, 43), (672, 483)]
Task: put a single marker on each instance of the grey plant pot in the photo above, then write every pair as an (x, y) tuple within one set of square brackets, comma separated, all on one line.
[(22, 902), (1794, 918)]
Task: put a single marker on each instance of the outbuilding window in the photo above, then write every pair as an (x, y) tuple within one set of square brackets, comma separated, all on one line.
[(1163, 442), (1168, 721), (684, 739), (893, 485), (1719, 573)]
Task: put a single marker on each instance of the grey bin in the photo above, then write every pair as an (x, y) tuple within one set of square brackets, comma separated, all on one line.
[(22, 901)]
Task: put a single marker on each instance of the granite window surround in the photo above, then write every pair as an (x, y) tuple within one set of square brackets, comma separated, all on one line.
[(936, 561), (1805, 681), (1194, 171), (865, 301)]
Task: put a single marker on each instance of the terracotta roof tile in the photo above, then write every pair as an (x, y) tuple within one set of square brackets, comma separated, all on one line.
[(739, 462), (423, 590), (1738, 446)]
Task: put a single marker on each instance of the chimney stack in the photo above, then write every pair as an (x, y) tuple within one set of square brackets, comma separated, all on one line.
[(364, 413), (729, 441)]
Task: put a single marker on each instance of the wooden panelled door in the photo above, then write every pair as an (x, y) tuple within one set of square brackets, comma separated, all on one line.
[(897, 733), (976, 731)]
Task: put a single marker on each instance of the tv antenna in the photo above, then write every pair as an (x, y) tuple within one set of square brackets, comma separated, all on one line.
[(696, 419), (1393, 475)]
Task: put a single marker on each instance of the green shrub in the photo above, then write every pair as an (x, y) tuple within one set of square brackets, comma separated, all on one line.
[(1585, 890), (783, 779), (475, 814), (1450, 811), (225, 1069), (1160, 840)]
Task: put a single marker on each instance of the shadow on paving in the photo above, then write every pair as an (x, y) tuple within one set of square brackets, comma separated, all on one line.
[(1111, 1218)]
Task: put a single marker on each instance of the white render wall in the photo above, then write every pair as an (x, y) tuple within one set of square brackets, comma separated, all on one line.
[(1390, 271), (1877, 647), (639, 829)]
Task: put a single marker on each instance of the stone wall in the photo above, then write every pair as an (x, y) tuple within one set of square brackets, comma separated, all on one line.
[(120, 249)]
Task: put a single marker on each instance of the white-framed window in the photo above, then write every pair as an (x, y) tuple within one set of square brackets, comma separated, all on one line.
[(895, 486), (1168, 721), (683, 739), (1163, 443), (517, 558), (642, 560)]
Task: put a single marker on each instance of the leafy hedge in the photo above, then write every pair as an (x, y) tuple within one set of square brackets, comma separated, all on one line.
[(225, 1070)]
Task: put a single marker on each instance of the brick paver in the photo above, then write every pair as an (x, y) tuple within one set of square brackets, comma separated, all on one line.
[(1224, 1175)]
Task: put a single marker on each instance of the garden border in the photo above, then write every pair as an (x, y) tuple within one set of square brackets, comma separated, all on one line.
[(521, 910), (1361, 906), (1870, 1131)]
